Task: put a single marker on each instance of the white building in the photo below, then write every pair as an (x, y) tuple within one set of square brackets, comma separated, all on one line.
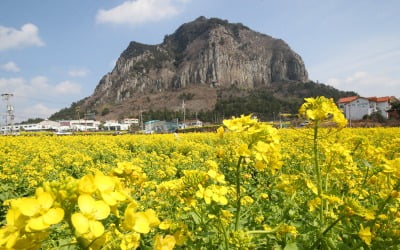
[(383, 104), (41, 126), (79, 125), (356, 107), (115, 125), (191, 124), (131, 121)]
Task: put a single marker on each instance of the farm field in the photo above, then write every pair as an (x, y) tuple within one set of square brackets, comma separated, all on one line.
[(248, 186)]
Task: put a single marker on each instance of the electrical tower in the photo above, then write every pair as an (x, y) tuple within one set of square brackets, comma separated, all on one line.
[(9, 112)]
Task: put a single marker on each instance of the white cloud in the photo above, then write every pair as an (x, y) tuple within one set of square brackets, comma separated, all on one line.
[(367, 84), (8, 85), (27, 36), (140, 11), (78, 73), (10, 67), (378, 54), (36, 111), (67, 87), (38, 97), (40, 83)]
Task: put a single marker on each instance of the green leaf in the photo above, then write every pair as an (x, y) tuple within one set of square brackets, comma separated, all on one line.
[(291, 246)]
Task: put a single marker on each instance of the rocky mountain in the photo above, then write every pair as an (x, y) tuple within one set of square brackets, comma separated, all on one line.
[(198, 64)]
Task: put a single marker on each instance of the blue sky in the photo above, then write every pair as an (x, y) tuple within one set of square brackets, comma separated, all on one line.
[(53, 53)]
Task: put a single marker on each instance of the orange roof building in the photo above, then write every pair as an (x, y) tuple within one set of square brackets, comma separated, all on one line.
[(347, 99), (357, 107)]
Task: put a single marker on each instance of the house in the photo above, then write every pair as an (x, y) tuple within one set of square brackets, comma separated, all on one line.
[(357, 107), (45, 125), (383, 104), (79, 125), (131, 121), (115, 125), (191, 123), (48, 125), (157, 126)]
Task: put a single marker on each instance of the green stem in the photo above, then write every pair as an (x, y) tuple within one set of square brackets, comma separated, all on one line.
[(225, 234), (238, 196), (318, 175), (326, 231)]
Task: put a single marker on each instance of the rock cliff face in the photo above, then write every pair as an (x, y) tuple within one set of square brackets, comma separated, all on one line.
[(204, 53)]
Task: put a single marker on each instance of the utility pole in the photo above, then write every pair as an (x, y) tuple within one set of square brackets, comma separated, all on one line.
[(184, 113), (141, 119), (9, 111)]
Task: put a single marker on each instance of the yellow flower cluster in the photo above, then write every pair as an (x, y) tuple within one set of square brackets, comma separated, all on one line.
[(321, 109), (248, 186), (28, 220)]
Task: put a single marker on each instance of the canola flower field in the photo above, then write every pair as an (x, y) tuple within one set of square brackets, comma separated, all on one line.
[(248, 186)]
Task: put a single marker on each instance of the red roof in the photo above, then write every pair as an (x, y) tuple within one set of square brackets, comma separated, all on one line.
[(381, 99), (347, 99)]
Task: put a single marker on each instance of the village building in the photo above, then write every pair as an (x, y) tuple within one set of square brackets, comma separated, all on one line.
[(112, 125), (157, 126), (79, 125), (357, 107), (45, 125), (191, 124), (131, 121)]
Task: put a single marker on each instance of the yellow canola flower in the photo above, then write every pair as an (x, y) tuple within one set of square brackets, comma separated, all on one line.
[(164, 225), (216, 176), (243, 150), (129, 241), (332, 199), (39, 210), (313, 204), (140, 222), (86, 184), (206, 194), (10, 233), (28, 215), (320, 109), (164, 243), (220, 132), (365, 235), (311, 186), (267, 155), (87, 221), (240, 124), (108, 188), (213, 193)]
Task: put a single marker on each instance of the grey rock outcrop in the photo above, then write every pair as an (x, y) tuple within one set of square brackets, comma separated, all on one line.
[(205, 52)]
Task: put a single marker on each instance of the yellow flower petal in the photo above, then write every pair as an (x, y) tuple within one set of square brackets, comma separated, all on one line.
[(53, 216), (36, 224), (365, 235), (109, 198), (13, 217), (167, 243), (86, 203), (80, 222), (152, 217), (87, 185), (164, 225), (96, 227), (142, 225), (104, 183), (101, 210), (29, 206), (45, 200)]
